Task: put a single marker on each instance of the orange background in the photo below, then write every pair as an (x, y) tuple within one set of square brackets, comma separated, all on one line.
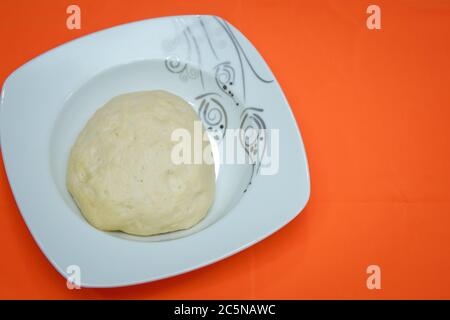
[(374, 111)]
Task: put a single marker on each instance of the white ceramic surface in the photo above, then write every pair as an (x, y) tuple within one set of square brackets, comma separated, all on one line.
[(205, 60)]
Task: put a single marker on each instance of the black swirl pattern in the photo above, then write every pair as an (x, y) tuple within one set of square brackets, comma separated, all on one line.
[(242, 56), (225, 78), (183, 69), (253, 138), (228, 78), (213, 114), (174, 65)]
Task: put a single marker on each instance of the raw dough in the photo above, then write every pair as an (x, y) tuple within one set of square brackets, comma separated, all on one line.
[(120, 171)]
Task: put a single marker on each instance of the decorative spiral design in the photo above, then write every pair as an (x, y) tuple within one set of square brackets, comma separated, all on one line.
[(253, 137), (225, 77), (174, 65), (213, 115), (183, 69), (231, 79)]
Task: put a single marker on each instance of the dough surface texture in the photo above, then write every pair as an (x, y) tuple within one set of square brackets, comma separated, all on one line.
[(120, 171)]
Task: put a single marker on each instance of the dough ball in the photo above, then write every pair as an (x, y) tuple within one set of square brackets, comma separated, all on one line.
[(120, 171)]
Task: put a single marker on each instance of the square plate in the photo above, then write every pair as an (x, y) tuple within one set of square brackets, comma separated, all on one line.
[(46, 102)]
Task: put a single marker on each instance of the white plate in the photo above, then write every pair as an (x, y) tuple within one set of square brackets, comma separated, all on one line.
[(46, 102)]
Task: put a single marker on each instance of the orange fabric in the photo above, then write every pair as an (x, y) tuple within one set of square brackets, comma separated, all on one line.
[(374, 111)]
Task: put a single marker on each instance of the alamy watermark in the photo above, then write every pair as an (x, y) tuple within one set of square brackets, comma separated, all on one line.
[(373, 22), (73, 21), (73, 277), (253, 146), (374, 279)]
